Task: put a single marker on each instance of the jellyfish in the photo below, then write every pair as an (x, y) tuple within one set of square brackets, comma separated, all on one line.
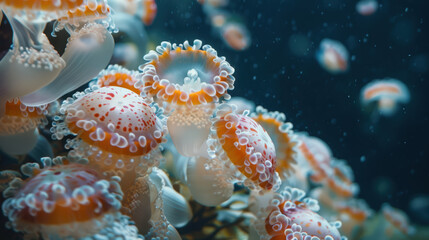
[(115, 128), (353, 213), (366, 7), (389, 223), (235, 36), (386, 94), (315, 156), (290, 215), (340, 180), (333, 56), (186, 75), (188, 81), (239, 151), (89, 49), (115, 75), (18, 127), (284, 140), (63, 199)]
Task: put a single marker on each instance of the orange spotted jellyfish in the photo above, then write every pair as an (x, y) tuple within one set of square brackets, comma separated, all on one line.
[(115, 128), (239, 150)]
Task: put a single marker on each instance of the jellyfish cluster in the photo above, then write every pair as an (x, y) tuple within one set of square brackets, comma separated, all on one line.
[(149, 144)]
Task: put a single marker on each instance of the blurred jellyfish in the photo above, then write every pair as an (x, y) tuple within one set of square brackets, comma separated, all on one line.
[(419, 206), (333, 56), (386, 94), (366, 7), (130, 41), (390, 223), (242, 104), (235, 36)]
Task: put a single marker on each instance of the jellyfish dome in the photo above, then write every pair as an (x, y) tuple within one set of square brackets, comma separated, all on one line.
[(333, 56), (63, 199), (386, 94), (245, 149), (115, 129), (281, 133)]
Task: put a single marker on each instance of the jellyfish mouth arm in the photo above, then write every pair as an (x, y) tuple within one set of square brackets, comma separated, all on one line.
[(88, 52)]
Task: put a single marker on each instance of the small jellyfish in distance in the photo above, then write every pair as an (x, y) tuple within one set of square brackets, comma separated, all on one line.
[(385, 94), (333, 56), (235, 36), (367, 7)]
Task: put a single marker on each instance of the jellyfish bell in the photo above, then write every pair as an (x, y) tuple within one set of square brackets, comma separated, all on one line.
[(244, 149), (284, 140), (242, 104), (387, 94), (115, 128), (188, 81), (42, 204), (89, 49), (207, 184), (366, 7), (333, 56), (235, 36)]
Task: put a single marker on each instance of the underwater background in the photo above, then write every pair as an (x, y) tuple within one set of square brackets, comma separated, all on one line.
[(389, 156)]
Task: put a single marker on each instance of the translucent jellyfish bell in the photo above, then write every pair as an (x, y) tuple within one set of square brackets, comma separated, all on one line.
[(206, 183), (387, 94), (88, 51), (333, 56)]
